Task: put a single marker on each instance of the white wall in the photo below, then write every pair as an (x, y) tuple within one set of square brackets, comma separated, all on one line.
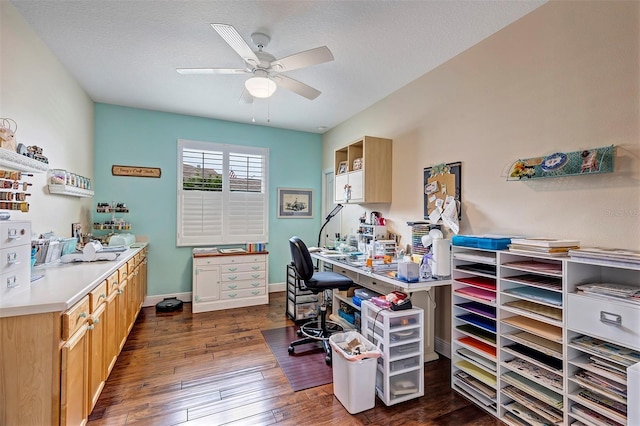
[(52, 112), (563, 78)]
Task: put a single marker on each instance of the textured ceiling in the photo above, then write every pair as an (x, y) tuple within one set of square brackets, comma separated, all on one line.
[(127, 52)]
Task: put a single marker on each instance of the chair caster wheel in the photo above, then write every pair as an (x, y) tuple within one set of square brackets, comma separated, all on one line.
[(299, 333), (291, 350), (327, 360)]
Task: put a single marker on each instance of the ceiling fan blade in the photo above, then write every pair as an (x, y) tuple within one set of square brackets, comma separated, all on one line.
[(296, 87), (245, 97), (210, 71), (237, 43), (307, 58)]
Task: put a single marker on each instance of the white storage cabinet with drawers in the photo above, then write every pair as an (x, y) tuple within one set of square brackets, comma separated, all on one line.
[(15, 257), (223, 281)]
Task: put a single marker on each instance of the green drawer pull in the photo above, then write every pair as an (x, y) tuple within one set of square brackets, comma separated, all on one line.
[(232, 286), (255, 268), (255, 284), (255, 275), (255, 292), (233, 277), (233, 269), (232, 295)]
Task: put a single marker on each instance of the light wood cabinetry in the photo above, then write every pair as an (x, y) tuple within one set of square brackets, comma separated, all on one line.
[(53, 365), (97, 342), (97, 353), (229, 281), (74, 368), (371, 183), (111, 339)]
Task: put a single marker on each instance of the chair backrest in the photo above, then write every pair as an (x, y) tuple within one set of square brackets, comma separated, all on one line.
[(301, 258)]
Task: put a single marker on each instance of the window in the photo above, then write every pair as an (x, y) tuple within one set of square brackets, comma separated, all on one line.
[(222, 194)]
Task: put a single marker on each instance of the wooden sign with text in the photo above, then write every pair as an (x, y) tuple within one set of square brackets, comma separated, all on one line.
[(152, 172)]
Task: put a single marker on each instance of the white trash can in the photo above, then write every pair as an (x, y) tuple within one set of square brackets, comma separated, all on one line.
[(354, 372)]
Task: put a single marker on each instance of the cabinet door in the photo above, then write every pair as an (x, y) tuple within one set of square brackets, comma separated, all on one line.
[(122, 315), (206, 286), (340, 181), (111, 331), (97, 354), (74, 389), (143, 279), (356, 180), (134, 297)]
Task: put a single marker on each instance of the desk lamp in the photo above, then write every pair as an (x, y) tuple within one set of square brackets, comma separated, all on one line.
[(328, 218)]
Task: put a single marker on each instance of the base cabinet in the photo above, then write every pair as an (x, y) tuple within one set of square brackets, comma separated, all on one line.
[(97, 354), (229, 281), (74, 395), (53, 365)]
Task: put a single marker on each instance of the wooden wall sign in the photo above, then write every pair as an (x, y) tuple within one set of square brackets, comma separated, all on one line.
[(152, 172)]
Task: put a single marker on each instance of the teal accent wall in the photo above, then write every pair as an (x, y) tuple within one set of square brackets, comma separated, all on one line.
[(137, 137)]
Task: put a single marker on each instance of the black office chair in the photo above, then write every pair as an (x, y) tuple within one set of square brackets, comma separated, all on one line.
[(319, 329)]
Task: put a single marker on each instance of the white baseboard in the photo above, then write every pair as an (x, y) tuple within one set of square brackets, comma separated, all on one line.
[(273, 288), (186, 297), (442, 347), (153, 300)]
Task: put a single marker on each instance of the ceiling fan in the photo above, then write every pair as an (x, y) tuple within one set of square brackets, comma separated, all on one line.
[(265, 68)]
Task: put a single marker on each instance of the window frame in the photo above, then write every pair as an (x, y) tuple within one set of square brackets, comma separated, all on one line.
[(231, 226)]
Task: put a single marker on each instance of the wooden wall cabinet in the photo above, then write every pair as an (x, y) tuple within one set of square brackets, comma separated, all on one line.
[(371, 182)]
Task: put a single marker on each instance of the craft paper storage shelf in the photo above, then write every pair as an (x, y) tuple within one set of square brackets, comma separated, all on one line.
[(560, 164)]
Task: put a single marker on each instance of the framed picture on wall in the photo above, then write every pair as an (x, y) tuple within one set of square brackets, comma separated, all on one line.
[(295, 203)]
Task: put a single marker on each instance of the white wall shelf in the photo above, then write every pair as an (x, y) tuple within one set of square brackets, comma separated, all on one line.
[(72, 191), (16, 161)]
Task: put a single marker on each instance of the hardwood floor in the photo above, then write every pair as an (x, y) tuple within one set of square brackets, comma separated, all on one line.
[(215, 368)]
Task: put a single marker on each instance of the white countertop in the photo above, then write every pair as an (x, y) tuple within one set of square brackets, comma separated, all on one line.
[(62, 286), (407, 287)]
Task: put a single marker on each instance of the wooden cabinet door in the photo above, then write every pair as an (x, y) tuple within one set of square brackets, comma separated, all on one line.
[(111, 331), (122, 315), (97, 354), (74, 388), (143, 279), (131, 299)]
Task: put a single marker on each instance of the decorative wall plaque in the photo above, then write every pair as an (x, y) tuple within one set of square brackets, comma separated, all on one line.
[(151, 172)]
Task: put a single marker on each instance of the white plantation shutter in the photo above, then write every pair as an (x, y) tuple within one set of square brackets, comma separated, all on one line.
[(222, 195)]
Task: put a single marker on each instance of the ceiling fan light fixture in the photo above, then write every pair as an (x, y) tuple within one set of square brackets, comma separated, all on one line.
[(260, 87)]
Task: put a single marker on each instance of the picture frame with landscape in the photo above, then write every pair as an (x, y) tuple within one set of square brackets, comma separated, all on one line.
[(295, 203)]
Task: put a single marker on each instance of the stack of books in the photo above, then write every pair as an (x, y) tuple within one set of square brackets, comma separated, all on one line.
[(546, 246)]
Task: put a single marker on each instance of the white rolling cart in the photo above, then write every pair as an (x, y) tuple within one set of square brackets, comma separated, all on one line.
[(399, 336)]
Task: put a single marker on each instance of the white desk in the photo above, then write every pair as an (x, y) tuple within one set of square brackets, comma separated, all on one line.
[(421, 292)]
